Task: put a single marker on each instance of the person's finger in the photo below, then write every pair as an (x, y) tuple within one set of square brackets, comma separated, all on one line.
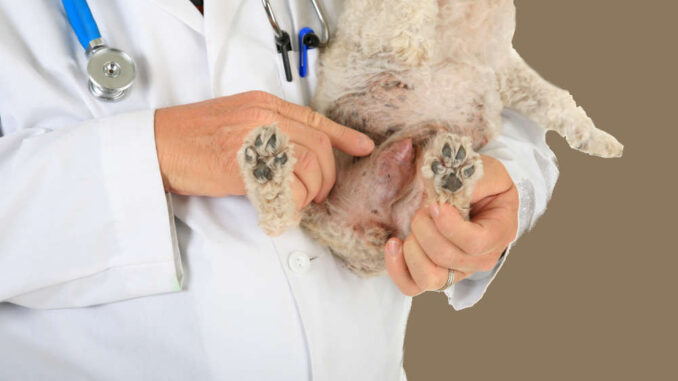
[(499, 214), (475, 237), (427, 275), (307, 169), (319, 143), (299, 193), (344, 138), (246, 99), (264, 108), (495, 180), (438, 248), (397, 268)]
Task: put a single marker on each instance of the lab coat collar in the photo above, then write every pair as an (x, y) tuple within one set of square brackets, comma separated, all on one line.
[(185, 11)]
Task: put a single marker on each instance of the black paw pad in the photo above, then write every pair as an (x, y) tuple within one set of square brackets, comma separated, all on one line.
[(250, 154), (461, 154), (447, 151), (437, 167), (451, 183), (468, 171), (272, 143), (281, 159), (262, 173)]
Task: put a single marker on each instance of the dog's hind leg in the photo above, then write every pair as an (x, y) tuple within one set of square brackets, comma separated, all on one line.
[(523, 89)]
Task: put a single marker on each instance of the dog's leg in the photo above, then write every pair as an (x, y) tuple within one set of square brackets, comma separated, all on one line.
[(266, 163), (523, 89), (453, 168)]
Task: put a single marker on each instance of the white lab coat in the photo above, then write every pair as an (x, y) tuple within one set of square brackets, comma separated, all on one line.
[(104, 276)]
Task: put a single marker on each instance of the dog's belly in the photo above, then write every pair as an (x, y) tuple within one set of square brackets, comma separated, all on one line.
[(459, 98), (376, 197)]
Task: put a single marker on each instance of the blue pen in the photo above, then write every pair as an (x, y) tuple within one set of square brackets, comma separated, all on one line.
[(307, 40)]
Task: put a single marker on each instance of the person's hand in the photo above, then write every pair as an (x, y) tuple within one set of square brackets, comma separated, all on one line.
[(197, 144), (441, 239)]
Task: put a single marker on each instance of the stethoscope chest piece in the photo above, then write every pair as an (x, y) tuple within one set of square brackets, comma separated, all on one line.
[(111, 73)]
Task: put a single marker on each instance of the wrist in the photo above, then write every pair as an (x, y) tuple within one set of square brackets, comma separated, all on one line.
[(162, 143)]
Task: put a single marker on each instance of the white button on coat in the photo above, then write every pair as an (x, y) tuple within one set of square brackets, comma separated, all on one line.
[(299, 262), (185, 287)]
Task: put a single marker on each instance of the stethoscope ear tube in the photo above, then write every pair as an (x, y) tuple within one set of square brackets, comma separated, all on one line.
[(325, 39), (82, 21)]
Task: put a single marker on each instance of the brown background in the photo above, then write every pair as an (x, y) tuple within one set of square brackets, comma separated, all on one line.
[(590, 292)]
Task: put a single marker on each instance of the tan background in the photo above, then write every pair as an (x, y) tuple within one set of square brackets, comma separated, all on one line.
[(590, 293)]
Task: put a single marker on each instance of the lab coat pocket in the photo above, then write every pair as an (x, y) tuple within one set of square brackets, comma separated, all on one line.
[(309, 82), (313, 55)]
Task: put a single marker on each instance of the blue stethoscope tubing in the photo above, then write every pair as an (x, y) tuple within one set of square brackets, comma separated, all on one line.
[(82, 21), (111, 71)]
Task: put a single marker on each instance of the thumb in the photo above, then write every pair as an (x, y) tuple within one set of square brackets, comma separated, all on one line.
[(495, 180)]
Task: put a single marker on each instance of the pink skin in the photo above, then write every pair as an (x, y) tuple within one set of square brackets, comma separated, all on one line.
[(376, 197), (384, 189)]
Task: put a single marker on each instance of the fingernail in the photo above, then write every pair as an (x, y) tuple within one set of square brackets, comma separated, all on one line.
[(434, 209), (393, 247)]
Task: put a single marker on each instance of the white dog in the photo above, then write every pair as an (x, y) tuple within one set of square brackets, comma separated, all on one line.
[(427, 80)]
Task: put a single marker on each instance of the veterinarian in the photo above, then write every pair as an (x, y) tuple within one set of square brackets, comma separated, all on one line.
[(127, 250)]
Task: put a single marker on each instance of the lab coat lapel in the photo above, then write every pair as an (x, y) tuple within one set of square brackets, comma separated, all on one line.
[(219, 17), (240, 48), (184, 11)]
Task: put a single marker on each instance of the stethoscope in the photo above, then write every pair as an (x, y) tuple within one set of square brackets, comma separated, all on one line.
[(307, 39), (111, 72)]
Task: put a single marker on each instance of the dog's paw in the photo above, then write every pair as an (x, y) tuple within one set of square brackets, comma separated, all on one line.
[(599, 143), (453, 168), (266, 156), (267, 164)]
